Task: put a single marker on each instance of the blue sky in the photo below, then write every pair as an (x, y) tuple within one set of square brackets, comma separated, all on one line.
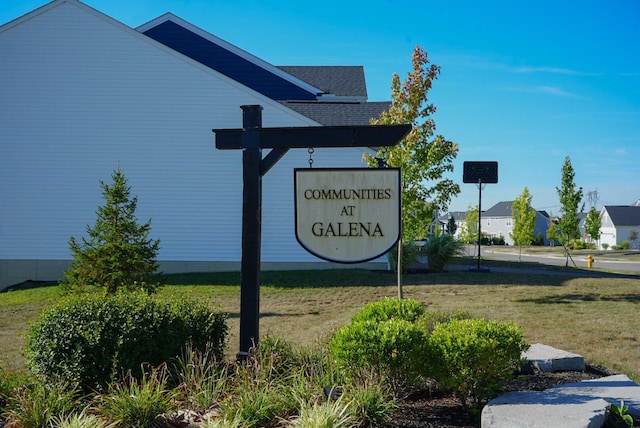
[(523, 83)]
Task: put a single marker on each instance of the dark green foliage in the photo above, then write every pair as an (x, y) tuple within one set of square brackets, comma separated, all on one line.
[(624, 245), (570, 199), (618, 416), (538, 240), (581, 245), (497, 240), (118, 252), (440, 250), (92, 338), (452, 226), (472, 357)]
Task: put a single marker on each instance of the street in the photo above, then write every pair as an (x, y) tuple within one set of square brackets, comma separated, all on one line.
[(614, 262)]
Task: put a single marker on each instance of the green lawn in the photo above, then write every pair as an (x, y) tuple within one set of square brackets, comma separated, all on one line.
[(598, 318)]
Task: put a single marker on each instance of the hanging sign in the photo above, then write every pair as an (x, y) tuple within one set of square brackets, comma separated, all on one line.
[(347, 215)]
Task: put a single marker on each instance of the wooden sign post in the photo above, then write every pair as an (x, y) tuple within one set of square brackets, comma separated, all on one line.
[(251, 139)]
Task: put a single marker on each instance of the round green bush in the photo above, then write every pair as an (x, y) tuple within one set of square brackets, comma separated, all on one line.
[(473, 357), (390, 308), (93, 338), (392, 349)]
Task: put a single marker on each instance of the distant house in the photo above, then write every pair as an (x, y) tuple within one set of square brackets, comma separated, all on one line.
[(618, 223), (460, 220), (83, 94), (497, 221)]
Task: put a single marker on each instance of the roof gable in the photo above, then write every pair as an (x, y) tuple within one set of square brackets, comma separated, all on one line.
[(501, 209), (227, 59), (622, 215)]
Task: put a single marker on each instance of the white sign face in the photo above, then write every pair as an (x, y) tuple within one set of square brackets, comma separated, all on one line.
[(347, 215)]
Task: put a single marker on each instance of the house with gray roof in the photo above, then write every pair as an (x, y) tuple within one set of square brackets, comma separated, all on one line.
[(618, 224), (460, 218), (498, 221)]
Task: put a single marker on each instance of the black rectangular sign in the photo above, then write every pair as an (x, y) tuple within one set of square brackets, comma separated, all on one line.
[(480, 172)]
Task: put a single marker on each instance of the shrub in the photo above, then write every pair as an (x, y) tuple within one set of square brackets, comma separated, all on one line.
[(497, 240), (273, 381), (624, 245), (254, 403), (440, 250), (37, 403), (371, 403), (136, 403), (90, 338), (473, 357), (391, 349), (390, 308), (329, 414), (538, 240), (84, 419), (388, 339), (605, 246), (410, 254), (201, 378), (430, 319)]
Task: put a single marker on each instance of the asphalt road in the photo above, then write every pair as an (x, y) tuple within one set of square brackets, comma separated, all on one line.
[(600, 262)]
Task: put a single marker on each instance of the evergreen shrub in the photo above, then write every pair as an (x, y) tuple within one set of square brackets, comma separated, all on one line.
[(472, 357), (383, 338), (391, 349), (388, 308), (93, 338)]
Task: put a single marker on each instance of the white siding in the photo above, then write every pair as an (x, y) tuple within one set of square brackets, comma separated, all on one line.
[(81, 95)]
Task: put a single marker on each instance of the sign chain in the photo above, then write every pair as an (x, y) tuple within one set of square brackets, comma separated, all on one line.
[(310, 150)]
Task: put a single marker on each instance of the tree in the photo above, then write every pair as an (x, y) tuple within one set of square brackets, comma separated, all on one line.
[(469, 229), (118, 252), (524, 218), (570, 199), (592, 224), (423, 156), (552, 232), (452, 226), (633, 237)]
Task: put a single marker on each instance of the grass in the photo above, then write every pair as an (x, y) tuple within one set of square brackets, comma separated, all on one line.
[(595, 317)]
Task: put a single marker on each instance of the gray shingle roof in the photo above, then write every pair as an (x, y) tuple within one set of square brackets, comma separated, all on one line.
[(339, 113), (338, 80), (501, 209), (622, 215), (457, 215)]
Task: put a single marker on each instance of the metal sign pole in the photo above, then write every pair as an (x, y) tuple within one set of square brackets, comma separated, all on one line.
[(479, 220), (479, 172)]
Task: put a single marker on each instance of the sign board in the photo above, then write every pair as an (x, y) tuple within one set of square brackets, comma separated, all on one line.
[(347, 215), (480, 172)]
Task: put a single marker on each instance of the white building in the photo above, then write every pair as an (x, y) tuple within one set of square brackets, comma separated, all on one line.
[(82, 95), (618, 223)]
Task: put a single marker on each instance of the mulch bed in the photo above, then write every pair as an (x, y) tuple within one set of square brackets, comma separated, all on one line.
[(437, 409)]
